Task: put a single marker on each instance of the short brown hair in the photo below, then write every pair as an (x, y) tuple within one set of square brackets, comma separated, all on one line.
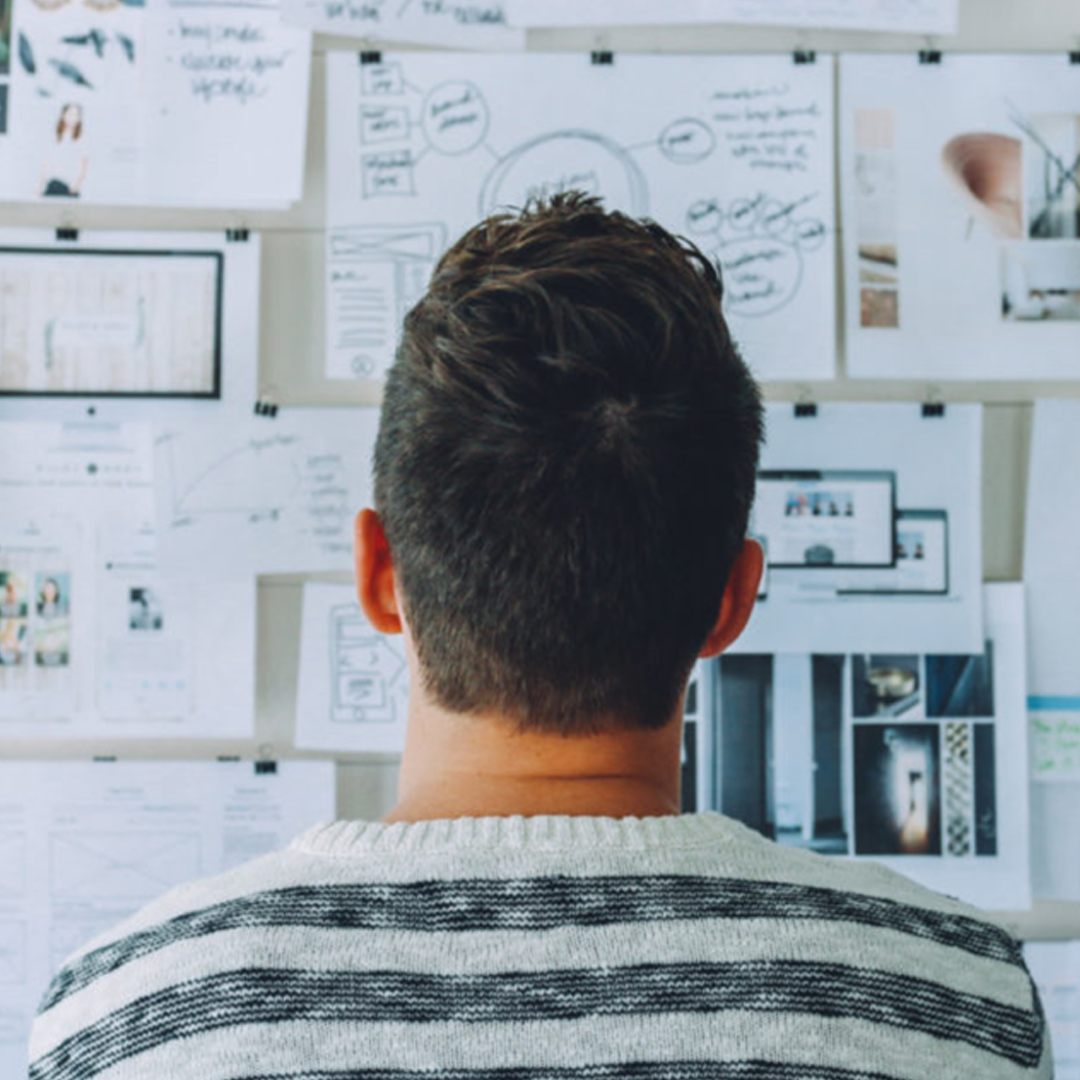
[(565, 467)]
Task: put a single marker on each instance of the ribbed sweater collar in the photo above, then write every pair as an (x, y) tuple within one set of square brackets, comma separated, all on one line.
[(518, 834)]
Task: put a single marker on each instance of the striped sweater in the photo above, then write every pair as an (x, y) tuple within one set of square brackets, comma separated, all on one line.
[(546, 948)]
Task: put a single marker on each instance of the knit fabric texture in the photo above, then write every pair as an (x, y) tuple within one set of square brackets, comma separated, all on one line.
[(546, 948)]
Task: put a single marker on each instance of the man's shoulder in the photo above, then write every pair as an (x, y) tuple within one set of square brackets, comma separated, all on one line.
[(742, 919), (151, 946), (797, 883)]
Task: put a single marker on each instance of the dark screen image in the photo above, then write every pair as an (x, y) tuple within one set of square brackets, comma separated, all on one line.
[(897, 789), (960, 685)]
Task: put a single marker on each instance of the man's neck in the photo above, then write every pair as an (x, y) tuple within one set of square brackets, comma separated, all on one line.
[(458, 766)]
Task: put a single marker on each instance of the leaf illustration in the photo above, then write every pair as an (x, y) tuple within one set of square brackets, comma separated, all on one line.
[(26, 54), (68, 70)]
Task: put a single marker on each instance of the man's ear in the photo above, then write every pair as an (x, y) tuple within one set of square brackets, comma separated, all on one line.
[(375, 585), (740, 595)]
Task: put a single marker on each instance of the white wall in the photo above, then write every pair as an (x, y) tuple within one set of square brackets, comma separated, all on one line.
[(292, 358)]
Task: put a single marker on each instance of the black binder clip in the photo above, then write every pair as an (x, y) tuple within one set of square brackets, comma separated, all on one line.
[(804, 56), (66, 232), (370, 56), (932, 409), (265, 768), (602, 58), (237, 236), (929, 56), (1074, 57), (805, 410), (267, 409)]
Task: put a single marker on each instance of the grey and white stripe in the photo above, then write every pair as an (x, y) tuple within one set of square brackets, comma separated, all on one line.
[(465, 974)]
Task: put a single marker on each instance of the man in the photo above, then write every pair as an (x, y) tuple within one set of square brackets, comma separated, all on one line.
[(564, 473)]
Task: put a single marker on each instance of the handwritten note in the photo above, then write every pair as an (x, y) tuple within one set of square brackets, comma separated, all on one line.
[(1055, 741), (231, 83), (471, 24), (768, 128)]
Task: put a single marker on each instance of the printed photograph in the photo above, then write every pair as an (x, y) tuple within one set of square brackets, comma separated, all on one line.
[(3, 108), (1040, 282), (145, 613), (877, 264), (897, 770), (780, 748), (960, 685), (53, 593), (984, 170), (885, 686), (13, 642), (986, 827), (5, 37), (1051, 188), (13, 601), (876, 218), (52, 642), (66, 163), (879, 309)]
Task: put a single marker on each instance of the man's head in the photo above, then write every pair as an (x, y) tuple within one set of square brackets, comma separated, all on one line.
[(564, 471)]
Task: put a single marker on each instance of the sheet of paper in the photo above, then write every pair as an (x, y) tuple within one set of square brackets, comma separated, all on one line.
[(263, 496), (1053, 524), (75, 110), (907, 16), (843, 494), (94, 642), (916, 761), (353, 690), (85, 845), (1055, 967), (463, 24), (229, 82), (735, 152), (133, 326), (174, 102), (961, 216)]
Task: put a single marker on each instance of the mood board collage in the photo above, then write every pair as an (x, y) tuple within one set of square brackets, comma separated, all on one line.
[(885, 704)]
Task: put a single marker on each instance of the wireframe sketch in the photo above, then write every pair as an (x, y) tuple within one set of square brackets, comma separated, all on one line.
[(376, 274), (733, 153), (368, 675), (101, 322), (121, 866)]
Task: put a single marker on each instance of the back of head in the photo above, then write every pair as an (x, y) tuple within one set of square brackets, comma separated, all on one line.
[(565, 468)]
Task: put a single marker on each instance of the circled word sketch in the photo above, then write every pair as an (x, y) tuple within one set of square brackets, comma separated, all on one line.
[(734, 153)]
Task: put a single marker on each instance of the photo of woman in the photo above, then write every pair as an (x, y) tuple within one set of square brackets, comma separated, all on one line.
[(65, 166), (52, 600)]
